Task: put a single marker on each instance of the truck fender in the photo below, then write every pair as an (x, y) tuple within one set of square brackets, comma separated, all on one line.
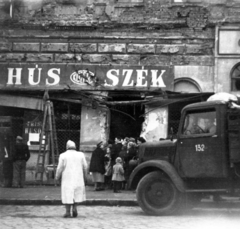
[(164, 166)]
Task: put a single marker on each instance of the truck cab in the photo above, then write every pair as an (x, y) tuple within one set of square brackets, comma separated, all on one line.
[(202, 143), (203, 159)]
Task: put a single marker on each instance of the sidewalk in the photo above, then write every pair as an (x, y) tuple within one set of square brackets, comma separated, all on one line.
[(51, 195)]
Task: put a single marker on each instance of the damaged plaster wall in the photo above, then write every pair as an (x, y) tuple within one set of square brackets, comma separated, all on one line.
[(147, 14), (94, 126), (156, 124)]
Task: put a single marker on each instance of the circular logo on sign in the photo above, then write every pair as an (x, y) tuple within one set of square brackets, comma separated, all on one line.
[(83, 77)]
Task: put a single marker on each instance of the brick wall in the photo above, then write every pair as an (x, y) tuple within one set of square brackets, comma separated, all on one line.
[(139, 32), (108, 51)]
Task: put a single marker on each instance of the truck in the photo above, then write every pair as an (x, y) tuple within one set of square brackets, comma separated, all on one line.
[(194, 163)]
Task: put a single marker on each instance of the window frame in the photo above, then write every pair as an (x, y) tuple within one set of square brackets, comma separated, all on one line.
[(235, 79), (198, 134)]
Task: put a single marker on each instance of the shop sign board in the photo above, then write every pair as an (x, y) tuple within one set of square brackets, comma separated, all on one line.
[(89, 77)]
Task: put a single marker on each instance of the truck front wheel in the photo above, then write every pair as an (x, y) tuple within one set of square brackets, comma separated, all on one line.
[(157, 195)]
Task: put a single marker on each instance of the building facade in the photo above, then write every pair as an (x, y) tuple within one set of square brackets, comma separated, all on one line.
[(112, 67)]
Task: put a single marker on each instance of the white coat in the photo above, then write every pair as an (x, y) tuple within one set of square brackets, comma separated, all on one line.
[(71, 168)]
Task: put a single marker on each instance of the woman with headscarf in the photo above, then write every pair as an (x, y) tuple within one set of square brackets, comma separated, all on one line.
[(97, 166), (72, 169)]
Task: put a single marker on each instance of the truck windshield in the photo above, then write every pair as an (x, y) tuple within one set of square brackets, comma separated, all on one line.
[(202, 122)]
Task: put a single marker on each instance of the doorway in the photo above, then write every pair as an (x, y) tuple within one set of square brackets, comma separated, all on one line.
[(126, 120)]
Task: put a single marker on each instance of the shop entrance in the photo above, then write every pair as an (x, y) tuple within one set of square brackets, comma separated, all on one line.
[(126, 120)]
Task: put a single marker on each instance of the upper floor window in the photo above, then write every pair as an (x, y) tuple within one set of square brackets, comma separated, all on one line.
[(185, 84), (235, 77), (6, 8)]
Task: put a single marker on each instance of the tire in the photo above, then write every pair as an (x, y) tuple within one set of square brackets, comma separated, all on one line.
[(157, 195)]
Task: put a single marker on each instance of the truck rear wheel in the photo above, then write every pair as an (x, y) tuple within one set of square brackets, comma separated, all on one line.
[(157, 195)]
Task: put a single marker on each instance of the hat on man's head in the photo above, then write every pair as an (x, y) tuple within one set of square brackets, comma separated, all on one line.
[(70, 145), (19, 138)]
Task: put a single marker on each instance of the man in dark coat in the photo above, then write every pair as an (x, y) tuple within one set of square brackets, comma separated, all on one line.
[(116, 148), (20, 158)]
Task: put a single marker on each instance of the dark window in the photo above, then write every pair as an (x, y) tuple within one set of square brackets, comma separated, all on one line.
[(235, 77), (199, 123)]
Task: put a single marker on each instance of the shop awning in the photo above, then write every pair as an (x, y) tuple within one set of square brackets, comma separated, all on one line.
[(21, 102), (175, 97)]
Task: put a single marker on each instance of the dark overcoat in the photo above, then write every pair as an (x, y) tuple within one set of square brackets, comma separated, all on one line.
[(97, 161)]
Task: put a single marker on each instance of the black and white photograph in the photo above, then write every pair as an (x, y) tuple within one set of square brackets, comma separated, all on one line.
[(120, 114)]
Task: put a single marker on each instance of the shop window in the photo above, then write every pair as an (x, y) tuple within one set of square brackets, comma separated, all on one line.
[(17, 116), (32, 127), (174, 115), (235, 77), (68, 119)]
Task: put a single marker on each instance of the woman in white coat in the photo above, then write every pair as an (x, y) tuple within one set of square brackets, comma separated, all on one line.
[(72, 169)]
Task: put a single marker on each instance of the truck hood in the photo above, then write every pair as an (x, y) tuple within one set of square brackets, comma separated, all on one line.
[(162, 150)]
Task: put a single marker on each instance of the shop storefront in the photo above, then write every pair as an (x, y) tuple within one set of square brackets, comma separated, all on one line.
[(92, 103), (110, 68)]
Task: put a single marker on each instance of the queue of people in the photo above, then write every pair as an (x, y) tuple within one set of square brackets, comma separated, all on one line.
[(104, 158)]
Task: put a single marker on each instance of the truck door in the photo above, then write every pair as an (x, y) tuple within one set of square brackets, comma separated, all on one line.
[(200, 148)]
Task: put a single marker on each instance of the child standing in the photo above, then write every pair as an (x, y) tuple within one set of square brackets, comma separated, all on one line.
[(118, 175)]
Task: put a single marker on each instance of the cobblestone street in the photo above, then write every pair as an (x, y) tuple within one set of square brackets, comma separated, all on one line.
[(114, 217)]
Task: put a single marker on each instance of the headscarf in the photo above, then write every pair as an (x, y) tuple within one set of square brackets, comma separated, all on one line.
[(118, 160), (70, 145)]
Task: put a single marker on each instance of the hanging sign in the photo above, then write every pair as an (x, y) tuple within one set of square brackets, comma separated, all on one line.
[(32, 126), (90, 77)]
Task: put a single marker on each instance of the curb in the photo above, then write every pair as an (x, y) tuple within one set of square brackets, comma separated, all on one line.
[(113, 202), (97, 202)]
